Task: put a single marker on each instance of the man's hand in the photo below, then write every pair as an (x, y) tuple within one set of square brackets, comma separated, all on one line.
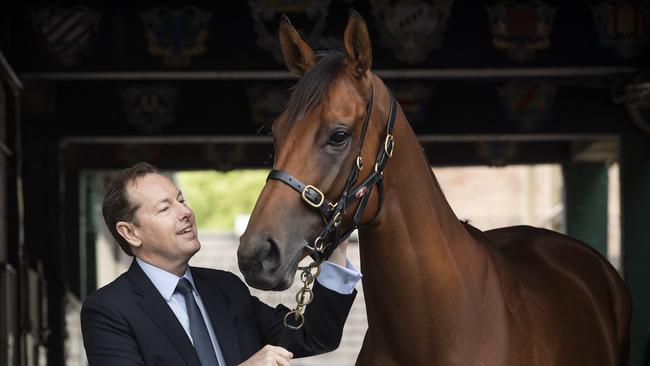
[(339, 254), (269, 356)]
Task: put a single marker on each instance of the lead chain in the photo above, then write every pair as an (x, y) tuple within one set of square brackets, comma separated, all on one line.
[(304, 296)]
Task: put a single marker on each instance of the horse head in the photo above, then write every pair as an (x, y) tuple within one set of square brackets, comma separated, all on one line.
[(318, 141)]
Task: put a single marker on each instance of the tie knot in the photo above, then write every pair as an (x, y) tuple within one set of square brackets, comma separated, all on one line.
[(184, 287)]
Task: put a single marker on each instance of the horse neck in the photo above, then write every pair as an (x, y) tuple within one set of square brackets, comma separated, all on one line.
[(422, 269)]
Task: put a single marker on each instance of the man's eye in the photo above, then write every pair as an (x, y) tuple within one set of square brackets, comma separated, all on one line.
[(338, 138)]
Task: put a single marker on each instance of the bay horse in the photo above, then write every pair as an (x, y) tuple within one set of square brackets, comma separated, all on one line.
[(437, 291)]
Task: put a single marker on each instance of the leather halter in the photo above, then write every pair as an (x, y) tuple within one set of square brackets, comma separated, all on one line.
[(333, 213)]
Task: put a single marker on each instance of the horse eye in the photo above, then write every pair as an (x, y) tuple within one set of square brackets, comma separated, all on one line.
[(338, 138)]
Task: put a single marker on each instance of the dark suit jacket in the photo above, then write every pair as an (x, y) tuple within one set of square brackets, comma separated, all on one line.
[(127, 322)]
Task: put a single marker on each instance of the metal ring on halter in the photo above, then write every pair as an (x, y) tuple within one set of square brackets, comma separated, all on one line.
[(331, 208), (389, 145), (377, 170), (359, 162), (318, 244), (300, 319), (337, 219)]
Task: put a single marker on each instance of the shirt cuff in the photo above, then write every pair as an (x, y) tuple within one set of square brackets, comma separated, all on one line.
[(337, 278)]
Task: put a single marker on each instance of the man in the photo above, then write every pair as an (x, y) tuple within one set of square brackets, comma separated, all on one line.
[(163, 312)]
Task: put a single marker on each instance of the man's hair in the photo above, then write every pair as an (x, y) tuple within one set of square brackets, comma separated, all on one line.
[(117, 205)]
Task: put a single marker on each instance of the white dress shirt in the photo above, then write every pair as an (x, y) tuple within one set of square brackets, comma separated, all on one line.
[(332, 276)]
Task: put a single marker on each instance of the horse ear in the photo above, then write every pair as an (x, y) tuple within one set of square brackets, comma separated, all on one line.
[(357, 44), (298, 56)]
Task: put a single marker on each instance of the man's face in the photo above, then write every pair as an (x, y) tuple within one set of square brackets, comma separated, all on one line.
[(165, 224)]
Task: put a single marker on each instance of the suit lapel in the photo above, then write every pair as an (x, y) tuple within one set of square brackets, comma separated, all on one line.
[(150, 300), (214, 302)]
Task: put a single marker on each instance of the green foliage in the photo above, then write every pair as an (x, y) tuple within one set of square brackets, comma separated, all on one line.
[(218, 197)]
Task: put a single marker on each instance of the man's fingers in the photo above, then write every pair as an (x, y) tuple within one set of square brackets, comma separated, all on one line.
[(282, 362), (283, 353), (270, 356), (278, 354), (278, 350)]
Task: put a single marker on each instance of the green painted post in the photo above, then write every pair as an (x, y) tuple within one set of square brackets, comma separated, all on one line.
[(585, 202), (635, 238)]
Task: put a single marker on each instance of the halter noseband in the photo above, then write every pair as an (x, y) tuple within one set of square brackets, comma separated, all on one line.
[(333, 213)]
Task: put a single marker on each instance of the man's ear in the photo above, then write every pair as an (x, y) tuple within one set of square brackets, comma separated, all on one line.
[(128, 232)]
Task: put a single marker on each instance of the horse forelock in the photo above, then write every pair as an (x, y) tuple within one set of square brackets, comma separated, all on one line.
[(310, 90)]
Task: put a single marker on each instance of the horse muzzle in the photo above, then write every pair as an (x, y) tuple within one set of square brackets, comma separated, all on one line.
[(261, 264)]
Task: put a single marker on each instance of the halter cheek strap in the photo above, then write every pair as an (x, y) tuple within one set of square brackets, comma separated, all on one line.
[(310, 194), (330, 236)]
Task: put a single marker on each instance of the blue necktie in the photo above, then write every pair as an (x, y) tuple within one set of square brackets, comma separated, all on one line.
[(198, 330)]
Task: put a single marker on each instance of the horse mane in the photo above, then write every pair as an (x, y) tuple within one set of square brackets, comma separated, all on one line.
[(310, 90)]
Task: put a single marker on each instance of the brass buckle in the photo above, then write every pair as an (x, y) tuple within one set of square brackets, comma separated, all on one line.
[(304, 196), (389, 145)]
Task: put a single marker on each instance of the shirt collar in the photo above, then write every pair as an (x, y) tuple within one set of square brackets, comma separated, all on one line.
[(164, 281)]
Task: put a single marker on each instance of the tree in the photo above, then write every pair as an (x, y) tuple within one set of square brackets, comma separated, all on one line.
[(218, 197)]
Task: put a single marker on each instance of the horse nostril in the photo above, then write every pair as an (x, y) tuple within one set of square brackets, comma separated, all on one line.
[(269, 256), (261, 254)]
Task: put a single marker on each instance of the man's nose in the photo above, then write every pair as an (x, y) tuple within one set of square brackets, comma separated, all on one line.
[(184, 212)]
